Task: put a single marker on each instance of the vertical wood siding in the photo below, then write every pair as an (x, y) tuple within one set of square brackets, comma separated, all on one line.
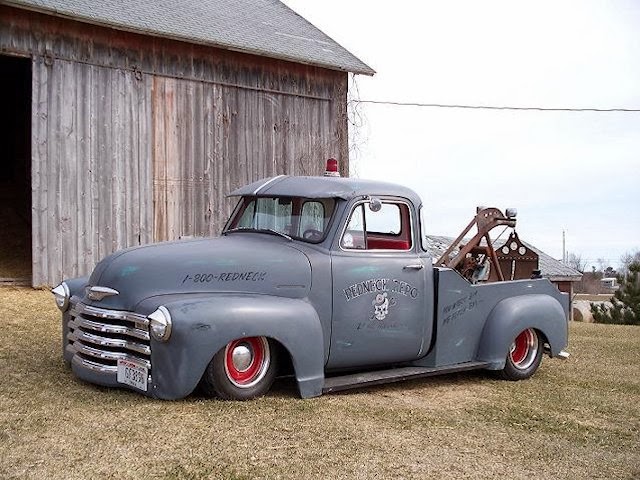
[(137, 139), (210, 139), (88, 176)]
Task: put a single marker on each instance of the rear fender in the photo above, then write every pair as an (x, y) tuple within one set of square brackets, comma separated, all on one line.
[(204, 325), (513, 315)]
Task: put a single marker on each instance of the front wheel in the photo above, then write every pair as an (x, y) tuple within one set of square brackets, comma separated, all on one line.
[(242, 370), (524, 357)]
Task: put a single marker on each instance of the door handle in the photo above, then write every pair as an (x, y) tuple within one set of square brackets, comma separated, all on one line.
[(417, 266)]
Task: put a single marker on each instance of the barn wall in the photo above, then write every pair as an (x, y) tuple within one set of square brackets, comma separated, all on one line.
[(209, 139), (139, 139), (90, 166)]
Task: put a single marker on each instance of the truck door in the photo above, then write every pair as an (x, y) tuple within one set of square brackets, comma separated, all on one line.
[(382, 289)]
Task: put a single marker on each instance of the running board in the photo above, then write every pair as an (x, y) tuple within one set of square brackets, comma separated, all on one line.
[(366, 379)]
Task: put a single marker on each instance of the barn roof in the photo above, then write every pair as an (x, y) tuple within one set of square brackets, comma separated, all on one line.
[(554, 269), (549, 266), (260, 27)]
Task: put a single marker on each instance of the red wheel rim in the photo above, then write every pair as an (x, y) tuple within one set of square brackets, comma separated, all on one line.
[(246, 361), (524, 349)]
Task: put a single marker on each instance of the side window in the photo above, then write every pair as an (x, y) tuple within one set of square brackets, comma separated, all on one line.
[(387, 229), (385, 220)]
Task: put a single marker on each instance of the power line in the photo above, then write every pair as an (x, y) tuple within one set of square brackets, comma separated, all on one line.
[(494, 107)]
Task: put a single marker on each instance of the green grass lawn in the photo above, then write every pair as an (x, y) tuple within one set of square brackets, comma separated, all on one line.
[(574, 419)]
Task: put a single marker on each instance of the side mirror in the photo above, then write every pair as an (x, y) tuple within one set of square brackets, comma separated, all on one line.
[(375, 204), (511, 212)]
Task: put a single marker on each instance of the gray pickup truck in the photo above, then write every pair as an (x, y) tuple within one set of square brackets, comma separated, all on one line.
[(323, 278)]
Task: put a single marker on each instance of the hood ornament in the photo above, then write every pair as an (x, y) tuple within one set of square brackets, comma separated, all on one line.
[(98, 293)]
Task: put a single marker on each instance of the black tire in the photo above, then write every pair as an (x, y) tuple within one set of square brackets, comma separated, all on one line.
[(244, 369), (524, 356)]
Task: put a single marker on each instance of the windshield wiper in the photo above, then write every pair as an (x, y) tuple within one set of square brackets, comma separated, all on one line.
[(265, 230)]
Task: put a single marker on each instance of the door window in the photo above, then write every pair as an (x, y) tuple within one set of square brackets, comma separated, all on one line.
[(387, 229)]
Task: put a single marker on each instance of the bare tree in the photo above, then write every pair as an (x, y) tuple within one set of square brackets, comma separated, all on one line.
[(576, 262), (357, 126), (626, 260)]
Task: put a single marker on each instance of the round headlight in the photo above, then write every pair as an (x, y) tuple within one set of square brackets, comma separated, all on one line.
[(160, 324), (62, 295)]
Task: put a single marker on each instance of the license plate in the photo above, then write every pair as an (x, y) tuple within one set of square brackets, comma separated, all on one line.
[(132, 374)]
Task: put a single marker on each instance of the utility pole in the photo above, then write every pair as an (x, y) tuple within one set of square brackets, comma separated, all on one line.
[(564, 249)]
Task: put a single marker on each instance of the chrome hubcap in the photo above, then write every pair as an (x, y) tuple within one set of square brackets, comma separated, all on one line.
[(247, 361), (524, 349), (241, 358)]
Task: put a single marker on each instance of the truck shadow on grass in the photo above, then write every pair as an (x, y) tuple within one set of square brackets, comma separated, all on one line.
[(420, 384), (286, 387)]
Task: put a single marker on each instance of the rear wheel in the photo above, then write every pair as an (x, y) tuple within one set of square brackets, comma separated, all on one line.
[(524, 357), (242, 370)]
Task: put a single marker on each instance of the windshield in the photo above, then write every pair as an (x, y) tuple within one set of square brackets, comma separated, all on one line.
[(296, 217)]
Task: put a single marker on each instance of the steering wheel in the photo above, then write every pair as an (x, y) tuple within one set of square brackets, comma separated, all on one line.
[(312, 234)]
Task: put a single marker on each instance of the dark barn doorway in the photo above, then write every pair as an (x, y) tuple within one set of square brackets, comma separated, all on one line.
[(15, 170)]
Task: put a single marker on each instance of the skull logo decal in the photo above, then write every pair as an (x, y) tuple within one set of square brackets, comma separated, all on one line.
[(380, 306)]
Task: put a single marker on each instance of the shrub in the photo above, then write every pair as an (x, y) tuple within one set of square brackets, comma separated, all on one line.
[(625, 307)]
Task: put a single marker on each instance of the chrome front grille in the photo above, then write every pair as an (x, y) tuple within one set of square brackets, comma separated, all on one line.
[(100, 337)]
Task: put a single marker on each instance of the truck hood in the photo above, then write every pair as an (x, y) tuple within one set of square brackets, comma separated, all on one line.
[(238, 263)]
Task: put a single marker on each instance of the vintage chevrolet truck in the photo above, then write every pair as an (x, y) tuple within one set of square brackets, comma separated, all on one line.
[(323, 278)]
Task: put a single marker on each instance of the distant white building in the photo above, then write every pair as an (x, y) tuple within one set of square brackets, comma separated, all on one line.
[(610, 283)]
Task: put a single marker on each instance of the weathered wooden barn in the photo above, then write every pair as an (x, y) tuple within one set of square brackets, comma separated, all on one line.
[(129, 121)]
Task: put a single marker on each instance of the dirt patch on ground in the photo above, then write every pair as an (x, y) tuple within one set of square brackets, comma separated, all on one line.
[(573, 419)]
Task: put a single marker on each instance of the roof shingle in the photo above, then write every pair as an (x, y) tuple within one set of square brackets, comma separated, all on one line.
[(549, 266), (260, 27)]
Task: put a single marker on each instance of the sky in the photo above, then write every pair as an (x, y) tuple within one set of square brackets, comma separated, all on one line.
[(564, 171)]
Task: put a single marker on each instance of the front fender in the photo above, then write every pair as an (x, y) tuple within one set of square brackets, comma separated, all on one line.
[(204, 325), (76, 286), (513, 315)]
